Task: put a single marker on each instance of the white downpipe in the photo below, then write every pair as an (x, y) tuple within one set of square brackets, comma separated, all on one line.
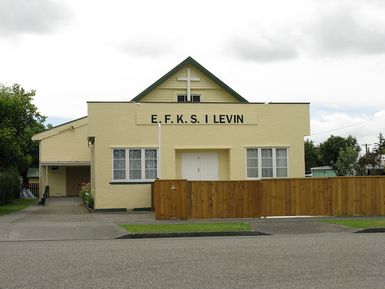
[(46, 176), (159, 149)]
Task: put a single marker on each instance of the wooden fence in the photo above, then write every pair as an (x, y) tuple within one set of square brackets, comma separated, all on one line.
[(336, 196), (34, 188)]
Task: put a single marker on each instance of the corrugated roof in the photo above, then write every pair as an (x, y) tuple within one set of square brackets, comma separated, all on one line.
[(33, 173)]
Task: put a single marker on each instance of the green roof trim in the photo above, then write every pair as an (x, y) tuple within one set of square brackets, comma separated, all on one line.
[(33, 173), (193, 62)]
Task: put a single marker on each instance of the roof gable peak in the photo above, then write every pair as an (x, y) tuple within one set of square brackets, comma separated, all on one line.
[(189, 61)]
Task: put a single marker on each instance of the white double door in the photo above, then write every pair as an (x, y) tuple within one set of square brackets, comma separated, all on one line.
[(200, 166)]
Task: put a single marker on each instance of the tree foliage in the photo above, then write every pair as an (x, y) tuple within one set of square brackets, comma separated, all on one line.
[(372, 159), (339, 152), (345, 164), (20, 120), (331, 148), (311, 155)]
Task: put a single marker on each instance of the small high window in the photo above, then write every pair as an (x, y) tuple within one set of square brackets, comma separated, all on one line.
[(183, 98)]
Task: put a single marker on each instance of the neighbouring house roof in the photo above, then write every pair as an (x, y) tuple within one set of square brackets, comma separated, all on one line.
[(73, 124), (33, 173), (323, 168), (189, 60)]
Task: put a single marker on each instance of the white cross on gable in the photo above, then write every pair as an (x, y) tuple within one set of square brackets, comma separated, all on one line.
[(189, 78)]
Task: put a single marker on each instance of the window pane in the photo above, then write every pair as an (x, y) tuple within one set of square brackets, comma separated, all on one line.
[(135, 154), (135, 164), (252, 153), (281, 163), (151, 164), (119, 174), (151, 174), (267, 153), (119, 164), (267, 163), (281, 153), (252, 163), (150, 154), (267, 172), (135, 174), (182, 98), (195, 98), (281, 172), (252, 172), (119, 154)]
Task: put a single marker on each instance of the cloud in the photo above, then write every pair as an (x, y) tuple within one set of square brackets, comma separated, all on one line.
[(365, 127), (30, 16), (347, 29), (330, 28), (146, 48), (262, 47)]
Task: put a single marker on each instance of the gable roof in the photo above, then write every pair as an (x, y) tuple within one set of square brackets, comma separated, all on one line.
[(193, 62)]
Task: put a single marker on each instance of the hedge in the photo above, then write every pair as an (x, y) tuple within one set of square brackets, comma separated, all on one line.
[(10, 185)]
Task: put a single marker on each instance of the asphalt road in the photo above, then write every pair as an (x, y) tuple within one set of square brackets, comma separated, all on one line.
[(336, 260)]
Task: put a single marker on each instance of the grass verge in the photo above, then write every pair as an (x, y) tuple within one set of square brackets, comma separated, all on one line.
[(183, 228), (359, 223), (16, 205)]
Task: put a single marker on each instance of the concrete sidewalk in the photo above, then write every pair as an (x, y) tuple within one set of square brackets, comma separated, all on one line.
[(68, 219)]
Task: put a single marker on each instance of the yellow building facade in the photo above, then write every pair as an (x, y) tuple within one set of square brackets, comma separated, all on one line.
[(188, 124)]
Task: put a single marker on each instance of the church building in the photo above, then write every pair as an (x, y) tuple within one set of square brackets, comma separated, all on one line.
[(186, 125)]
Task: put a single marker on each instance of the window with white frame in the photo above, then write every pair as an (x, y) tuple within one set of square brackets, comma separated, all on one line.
[(267, 162), (134, 164)]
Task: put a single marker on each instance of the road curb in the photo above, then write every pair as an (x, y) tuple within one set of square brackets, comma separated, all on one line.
[(371, 230), (191, 234)]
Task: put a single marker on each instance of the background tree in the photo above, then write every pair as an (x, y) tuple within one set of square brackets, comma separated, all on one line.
[(345, 164), (372, 160), (20, 120), (379, 148), (312, 157), (331, 148)]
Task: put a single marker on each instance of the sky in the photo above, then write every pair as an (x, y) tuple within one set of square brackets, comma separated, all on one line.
[(330, 53)]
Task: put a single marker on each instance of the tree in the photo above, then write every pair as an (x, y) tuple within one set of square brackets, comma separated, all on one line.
[(311, 155), (345, 164), (20, 120), (379, 148), (372, 160), (331, 148)]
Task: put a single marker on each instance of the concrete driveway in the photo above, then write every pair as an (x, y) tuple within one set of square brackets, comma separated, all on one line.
[(60, 219)]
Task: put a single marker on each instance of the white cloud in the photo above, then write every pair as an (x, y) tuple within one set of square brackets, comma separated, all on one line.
[(262, 47), (364, 127), (346, 27), (30, 16)]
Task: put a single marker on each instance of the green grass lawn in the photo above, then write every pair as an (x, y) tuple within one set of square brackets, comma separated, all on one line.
[(359, 223), (179, 228), (16, 205)]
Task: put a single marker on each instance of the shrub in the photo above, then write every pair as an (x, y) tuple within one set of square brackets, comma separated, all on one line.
[(10, 185), (85, 194)]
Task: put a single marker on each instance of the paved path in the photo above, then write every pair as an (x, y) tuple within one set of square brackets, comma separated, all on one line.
[(68, 219)]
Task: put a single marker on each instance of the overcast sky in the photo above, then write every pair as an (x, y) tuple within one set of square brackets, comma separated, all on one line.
[(328, 53)]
